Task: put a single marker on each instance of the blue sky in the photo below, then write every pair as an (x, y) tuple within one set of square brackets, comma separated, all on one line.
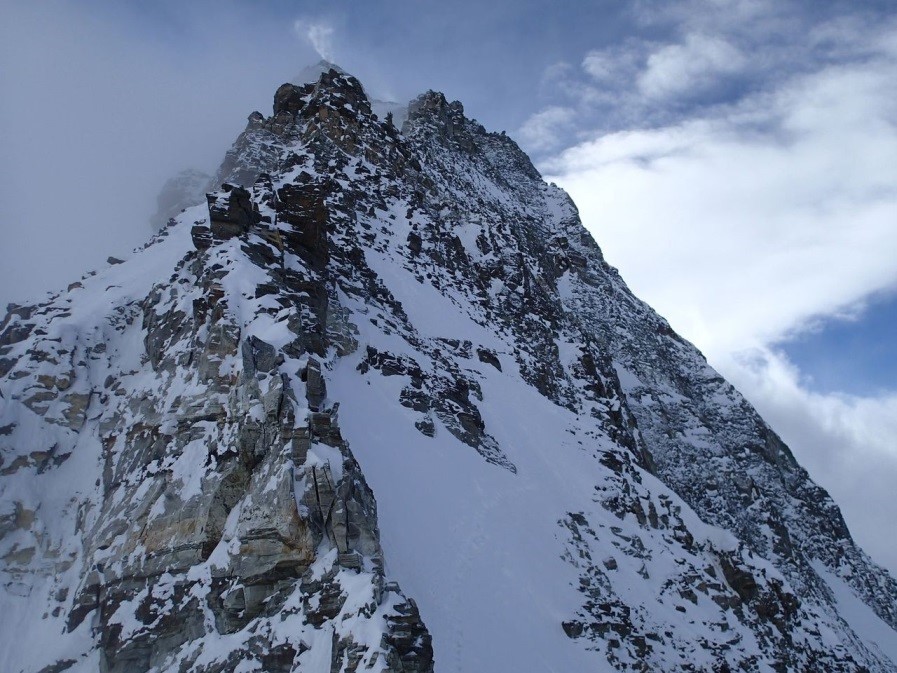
[(856, 356), (737, 160)]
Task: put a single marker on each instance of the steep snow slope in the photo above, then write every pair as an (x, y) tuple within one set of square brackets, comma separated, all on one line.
[(561, 482)]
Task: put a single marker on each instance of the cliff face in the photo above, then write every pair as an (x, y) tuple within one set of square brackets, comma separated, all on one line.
[(193, 441)]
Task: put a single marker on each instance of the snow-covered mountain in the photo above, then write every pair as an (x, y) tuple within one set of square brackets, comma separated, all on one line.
[(312, 73), (380, 404)]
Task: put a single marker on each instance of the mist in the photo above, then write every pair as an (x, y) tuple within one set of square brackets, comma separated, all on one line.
[(99, 111)]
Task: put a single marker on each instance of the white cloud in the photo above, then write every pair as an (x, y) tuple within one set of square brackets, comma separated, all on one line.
[(319, 34), (616, 67), (796, 191), (611, 65), (542, 131), (743, 227), (554, 72), (600, 64), (689, 68)]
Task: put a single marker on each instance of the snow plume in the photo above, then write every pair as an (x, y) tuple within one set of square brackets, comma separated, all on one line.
[(319, 34)]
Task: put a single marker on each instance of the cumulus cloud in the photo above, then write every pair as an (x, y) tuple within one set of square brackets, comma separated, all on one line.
[(542, 131), (610, 66), (689, 68), (319, 34), (600, 65), (743, 224)]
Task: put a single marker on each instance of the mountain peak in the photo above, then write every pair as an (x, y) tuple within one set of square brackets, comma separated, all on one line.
[(310, 74), (333, 87), (191, 441)]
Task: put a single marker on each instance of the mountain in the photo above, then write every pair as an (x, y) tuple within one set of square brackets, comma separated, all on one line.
[(381, 404), (312, 73)]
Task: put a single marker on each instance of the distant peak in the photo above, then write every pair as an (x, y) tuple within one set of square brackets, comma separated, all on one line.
[(446, 118), (436, 100)]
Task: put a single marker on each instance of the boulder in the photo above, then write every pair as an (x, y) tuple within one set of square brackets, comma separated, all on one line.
[(231, 211)]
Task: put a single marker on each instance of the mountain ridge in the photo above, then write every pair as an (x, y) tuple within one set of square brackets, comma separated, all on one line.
[(619, 497)]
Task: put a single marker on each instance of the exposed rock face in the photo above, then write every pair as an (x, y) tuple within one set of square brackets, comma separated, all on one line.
[(193, 440), (231, 212)]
